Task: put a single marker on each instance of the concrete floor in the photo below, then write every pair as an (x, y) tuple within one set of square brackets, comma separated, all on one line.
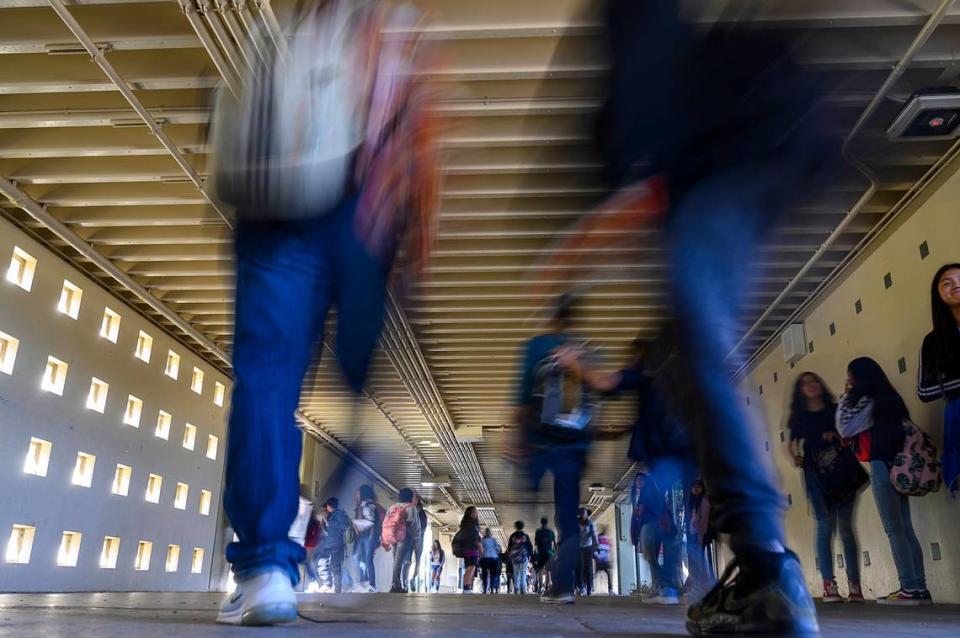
[(149, 615)]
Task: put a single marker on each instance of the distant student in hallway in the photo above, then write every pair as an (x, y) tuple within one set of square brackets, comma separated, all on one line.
[(332, 546), (519, 550), (468, 545), (815, 448), (545, 544), (368, 515), (438, 559), (872, 412), (939, 369), (700, 535), (588, 546), (603, 557), (490, 564)]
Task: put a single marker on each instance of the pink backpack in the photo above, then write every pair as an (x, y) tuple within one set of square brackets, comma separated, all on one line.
[(394, 529), (916, 469)]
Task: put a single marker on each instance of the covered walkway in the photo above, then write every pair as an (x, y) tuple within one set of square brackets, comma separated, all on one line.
[(149, 615)]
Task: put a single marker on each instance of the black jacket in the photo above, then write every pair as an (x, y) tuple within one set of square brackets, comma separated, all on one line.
[(932, 383)]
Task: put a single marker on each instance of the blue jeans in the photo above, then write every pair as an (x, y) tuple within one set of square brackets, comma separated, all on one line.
[(714, 233), (363, 551), (288, 276), (831, 515), (566, 464), (652, 536), (894, 509), (520, 577)]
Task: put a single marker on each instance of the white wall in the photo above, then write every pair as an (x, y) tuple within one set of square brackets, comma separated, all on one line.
[(52, 504), (890, 328)]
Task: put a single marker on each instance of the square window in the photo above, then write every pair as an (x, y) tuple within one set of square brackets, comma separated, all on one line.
[(121, 480), (782, 437), (173, 558), (144, 550), (110, 326), (97, 397), (154, 485), (196, 561), (219, 390), (189, 436), (8, 352), (789, 499), (54, 376), (212, 442), (887, 280), (172, 368), (38, 457), (163, 426), (109, 552), (205, 498), (20, 544), (83, 469), (760, 389), (70, 296), (180, 498), (22, 267), (144, 347), (935, 551), (69, 550), (196, 380), (840, 561), (924, 250), (134, 409)]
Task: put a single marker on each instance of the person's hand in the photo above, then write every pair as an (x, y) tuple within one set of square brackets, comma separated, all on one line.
[(831, 436), (568, 357)]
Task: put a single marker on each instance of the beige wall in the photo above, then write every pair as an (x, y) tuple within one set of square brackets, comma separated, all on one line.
[(890, 328), (52, 504)]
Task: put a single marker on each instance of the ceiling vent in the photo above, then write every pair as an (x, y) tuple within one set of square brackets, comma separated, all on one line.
[(794, 343), (933, 114)]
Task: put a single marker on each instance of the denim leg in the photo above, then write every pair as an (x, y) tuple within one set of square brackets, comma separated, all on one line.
[(714, 234), (894, 509), (566, 465), (650, 546), (671, 561), (520, 577), (825, 515), (282, 295), (848, 536)]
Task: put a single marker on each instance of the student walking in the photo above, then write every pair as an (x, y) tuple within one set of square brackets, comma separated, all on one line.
[(368, 516), (438, 559), (603, 558), (652, 529), (333, 545), (815, 443), (545, 544), (418, 544), (699, 536), (519, 550), (588, 546), (489, 563), (939, 375), (401, 527), (872, 412), (468, 545)]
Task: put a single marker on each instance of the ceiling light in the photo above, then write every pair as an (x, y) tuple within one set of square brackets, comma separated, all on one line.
[(435, 481)]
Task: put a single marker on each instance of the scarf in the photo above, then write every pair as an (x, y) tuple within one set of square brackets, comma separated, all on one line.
[(854, 419)]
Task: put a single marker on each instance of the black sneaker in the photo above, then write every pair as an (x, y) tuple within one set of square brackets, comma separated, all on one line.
[(762, 594), (557, 597)]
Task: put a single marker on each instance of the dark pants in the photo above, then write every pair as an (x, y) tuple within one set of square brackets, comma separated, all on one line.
[(714, 235), (402, 555), (489, 575), (566, 464), (331, 569), (604, 568), (288, 276), (585, 570)]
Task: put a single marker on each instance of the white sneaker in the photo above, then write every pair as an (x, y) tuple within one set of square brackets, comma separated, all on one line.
[(265, 599), (666, 596)]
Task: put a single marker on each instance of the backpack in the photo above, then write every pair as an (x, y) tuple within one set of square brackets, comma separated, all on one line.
[(518, 553), (839, 473), (563, 404), (394, 524), (460, 544), (916, 470), (603, 549), (284, 145)]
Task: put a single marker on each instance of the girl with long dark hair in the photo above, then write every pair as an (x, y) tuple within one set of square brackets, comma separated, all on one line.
[(470, 529), (873, 412), (437, 559), (699, 535), (939, 375), (812, 432)]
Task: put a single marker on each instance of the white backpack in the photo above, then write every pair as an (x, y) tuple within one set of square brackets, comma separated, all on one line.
[(284, 146)]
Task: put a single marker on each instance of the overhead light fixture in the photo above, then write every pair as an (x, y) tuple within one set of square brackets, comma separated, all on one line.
[(470, 435), (435, 481), (596, 487), (933, 114)]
